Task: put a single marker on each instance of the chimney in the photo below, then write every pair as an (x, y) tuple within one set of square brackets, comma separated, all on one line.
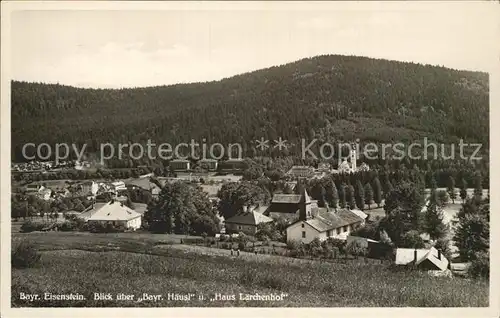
[(439, 254), (415, 256)]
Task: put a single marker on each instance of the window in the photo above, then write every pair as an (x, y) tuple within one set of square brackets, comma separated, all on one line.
[(303, 234), (328, 233), (239, 227), (338, 230), (302, 224), (345, 228)]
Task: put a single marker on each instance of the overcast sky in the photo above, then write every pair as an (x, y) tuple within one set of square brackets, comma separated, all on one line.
[(145, 48)]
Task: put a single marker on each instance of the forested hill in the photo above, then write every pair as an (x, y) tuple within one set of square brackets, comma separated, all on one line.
[(326, 97)]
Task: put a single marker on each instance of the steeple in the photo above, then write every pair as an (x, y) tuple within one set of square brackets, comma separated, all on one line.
[(304, 203), (353, 160)]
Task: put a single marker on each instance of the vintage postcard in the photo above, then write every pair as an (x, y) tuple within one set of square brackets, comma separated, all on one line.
[(275, 158)]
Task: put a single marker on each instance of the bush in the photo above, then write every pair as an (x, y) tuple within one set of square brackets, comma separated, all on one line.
[(480, 267), (412, 239), (293, 245), (105, 228), (30, 226), (241, 246), (25, 255)]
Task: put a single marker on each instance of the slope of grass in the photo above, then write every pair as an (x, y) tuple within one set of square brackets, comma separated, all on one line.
[(75, 269)]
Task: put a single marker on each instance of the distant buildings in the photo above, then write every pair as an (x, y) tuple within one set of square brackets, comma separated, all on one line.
[(179, 165), (232, 166), (301, 172), (208, 164)]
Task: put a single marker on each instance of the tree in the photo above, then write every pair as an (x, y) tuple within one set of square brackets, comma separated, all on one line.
[(356, 249), (360, 195), (472, 236), (377, 191), (444, 245), (235, 196), (351, 199), (463, 190), (319, 193), (451, 188), (478, 189), (183, 209), (403, 207), (411, 239), (368, 194), (332, 195), (342, 196), (434, 224), (433, 183)]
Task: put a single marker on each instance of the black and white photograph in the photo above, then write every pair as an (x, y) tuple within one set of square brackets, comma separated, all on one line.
[(248, 154)]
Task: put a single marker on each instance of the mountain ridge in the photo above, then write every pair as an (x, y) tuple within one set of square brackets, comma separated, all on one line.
[(324, 97)]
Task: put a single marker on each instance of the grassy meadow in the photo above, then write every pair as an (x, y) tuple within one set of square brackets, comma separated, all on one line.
[(156, 264)]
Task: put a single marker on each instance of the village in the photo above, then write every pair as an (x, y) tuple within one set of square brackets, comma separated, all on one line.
[(290, 221)]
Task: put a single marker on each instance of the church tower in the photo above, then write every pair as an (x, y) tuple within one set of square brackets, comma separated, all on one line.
[(353, 160), (304, 203)]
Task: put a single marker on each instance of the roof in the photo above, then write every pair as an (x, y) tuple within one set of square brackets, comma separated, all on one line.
[(440, 262), (140, 207), (360, 213), (143, 183), (301, 170), (362, 240), (249, 218), (90, 211), (324, 220), (114, 211), (286, 198), (179, 160), (406, 256)]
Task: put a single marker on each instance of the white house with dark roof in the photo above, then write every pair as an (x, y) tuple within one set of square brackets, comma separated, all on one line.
[(116, 213), (427, 259), (322, 223)]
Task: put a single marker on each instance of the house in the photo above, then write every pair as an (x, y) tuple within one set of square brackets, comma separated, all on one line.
[(351, 166), (287, 206), (322, 223), (246, 221), (118, 186), (117, 214), (179, 165), (427, 259), (232, 166), (301, 172), (208, 164), (87, 187), (324, 167), (44, 194), (33, 188), (146, 184)]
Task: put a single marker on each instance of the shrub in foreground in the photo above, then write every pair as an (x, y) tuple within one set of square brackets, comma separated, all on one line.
[(480, 267), (24, 255)]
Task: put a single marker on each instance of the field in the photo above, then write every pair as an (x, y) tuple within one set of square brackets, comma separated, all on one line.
[(156, 264)]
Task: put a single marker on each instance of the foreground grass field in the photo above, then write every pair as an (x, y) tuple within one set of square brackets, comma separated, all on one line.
[(102, 263)]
